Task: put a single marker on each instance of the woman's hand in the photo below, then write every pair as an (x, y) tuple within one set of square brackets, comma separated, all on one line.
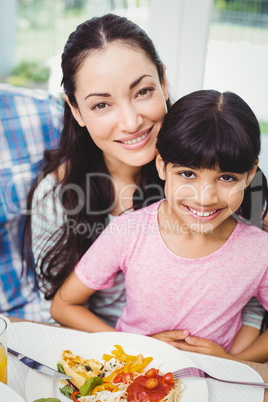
[(172, 337), (204, 346)]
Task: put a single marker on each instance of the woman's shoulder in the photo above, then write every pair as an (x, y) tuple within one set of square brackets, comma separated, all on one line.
[(59, 173), (143, 214), (49, 182)]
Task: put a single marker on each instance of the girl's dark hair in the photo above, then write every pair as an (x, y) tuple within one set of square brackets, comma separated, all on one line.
[(83, 158), (206, 129)]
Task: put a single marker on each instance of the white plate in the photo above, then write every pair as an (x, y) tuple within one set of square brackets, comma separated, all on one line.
[(9, 395), (5, 318), (94, 345)]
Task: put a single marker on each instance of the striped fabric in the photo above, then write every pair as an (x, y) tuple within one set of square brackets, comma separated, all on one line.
[(252, 313), (47, 219), (30, 122)]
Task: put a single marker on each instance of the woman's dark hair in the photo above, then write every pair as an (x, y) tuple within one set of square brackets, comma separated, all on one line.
[(206, 129), (82, 157)]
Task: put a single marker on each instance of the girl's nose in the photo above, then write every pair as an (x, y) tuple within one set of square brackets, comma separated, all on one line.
[(208, 194), (129, 120)]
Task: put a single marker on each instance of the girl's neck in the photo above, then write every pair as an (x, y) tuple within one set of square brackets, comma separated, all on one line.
[(188, 243)]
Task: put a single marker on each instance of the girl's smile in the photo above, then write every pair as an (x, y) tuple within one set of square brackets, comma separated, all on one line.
[(202, 200), (203, 215)]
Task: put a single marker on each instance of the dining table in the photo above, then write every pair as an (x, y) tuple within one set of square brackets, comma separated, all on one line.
[(31, 338)]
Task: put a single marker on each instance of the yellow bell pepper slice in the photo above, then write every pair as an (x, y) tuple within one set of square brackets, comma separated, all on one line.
[(103, 387), (141, 366)]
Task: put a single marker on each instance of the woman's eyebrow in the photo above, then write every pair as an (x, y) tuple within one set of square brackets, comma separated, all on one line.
[(104, 95), (131, 86), (138, 80)]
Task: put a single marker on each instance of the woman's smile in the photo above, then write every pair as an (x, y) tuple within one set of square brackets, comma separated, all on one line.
[(135, 141), (121, 112)]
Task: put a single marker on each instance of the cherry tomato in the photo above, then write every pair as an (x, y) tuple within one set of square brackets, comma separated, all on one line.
[(73, 395), (127, 378), (168, 378), (118, 378), (151, 373), (151, 383)]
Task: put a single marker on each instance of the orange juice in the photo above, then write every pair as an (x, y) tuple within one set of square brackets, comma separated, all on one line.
[(3, 365)]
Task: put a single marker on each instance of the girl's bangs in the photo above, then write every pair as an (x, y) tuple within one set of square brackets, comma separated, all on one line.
[(211, 148)]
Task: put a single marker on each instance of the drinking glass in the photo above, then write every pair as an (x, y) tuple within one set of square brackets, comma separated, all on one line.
[(3, 350)]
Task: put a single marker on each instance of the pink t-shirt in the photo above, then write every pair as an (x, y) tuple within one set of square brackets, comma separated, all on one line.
[(167, 292)]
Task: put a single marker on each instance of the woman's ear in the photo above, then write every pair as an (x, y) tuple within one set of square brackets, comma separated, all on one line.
[(251, 174), (161, 167), (75, 112)]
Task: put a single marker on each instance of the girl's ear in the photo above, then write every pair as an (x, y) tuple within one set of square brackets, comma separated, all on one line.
[(161, 167), (251, 174), (75, 111)]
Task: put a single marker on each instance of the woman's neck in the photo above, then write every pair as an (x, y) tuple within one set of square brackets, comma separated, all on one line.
[(122, 172), (125, 179)]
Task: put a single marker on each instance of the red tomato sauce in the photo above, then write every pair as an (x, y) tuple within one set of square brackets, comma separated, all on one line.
[(139, 393)]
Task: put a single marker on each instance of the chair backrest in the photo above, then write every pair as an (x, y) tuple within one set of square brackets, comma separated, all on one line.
[(30, 122)]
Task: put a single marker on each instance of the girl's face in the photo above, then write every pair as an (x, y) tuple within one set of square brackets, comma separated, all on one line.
[(122, 104), (201, 200)]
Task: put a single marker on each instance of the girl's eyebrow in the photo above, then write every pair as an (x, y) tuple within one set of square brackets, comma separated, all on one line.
[(131, 86)]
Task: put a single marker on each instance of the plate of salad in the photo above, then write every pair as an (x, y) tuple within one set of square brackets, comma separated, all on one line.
[(113, 367)]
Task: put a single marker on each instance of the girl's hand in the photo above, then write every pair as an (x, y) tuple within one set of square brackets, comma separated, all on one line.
[(172, 337), (204, 346)]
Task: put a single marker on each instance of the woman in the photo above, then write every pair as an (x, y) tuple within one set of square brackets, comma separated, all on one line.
[(116, 98), (116, 90)]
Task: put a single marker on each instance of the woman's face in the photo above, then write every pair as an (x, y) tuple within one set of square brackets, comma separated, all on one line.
[(122, 103)]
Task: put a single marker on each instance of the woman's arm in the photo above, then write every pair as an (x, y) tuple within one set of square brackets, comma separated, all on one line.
[(68, 307), (245, 337), (256, 352)]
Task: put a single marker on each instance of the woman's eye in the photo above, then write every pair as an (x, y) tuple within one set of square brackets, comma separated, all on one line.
[(187, 175), (145, 91), (227, 177), (100, 106)]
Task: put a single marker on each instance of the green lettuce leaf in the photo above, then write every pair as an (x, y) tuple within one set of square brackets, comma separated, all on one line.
[(89, 385)]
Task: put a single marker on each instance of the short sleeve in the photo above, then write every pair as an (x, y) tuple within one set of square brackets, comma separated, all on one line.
[(252, 313), (98, 267)]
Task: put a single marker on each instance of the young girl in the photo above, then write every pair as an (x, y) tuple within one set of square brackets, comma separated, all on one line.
[(201, 234)]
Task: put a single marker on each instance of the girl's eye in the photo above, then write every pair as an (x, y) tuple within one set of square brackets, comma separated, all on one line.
[(145, 91), (227, 177), (187, 175), (100, 106)]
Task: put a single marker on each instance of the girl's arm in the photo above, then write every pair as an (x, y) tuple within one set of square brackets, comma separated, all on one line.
[(68, 307)]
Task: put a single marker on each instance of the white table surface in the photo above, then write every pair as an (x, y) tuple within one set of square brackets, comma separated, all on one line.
[(34, 339)]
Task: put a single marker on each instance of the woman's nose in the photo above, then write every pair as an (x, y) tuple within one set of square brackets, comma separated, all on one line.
[(129, 120)]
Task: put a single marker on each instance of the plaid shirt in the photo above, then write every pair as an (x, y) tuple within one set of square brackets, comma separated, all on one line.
[(30, 122)]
